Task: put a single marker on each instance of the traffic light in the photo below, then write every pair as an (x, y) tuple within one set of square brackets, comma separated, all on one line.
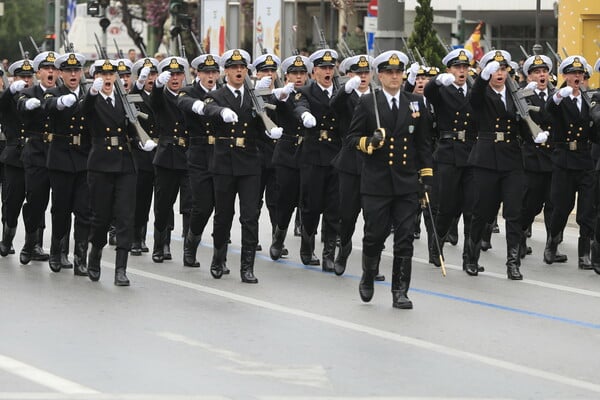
[(176, 7)]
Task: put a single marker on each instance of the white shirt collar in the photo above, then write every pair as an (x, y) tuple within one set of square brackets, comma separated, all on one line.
[(112, 96), (232, 89), (329, 89), (389, 98), (464, 87)]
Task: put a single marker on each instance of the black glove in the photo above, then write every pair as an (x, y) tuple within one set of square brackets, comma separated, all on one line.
[(377, 139)]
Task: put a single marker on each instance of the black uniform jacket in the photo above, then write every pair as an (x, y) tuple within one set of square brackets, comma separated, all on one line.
[(13, 129), (287, 149), (570, 126), (348, 160), (236, 150), (455, 123), (493, 117), (70, 142), (199, 127), (37, 126), (112, 135), (173, 137), (321, 143), (538, 157), (392, 169)]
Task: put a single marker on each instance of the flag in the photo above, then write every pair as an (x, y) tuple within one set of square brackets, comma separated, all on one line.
[(71, 9), (473, 44)]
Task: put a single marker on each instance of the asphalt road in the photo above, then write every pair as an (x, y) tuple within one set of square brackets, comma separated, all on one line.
[(177, 333)]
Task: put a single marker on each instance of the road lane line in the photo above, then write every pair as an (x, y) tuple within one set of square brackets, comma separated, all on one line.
[(419, 343), (42, 377)]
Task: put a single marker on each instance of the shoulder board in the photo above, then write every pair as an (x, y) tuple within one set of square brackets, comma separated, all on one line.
[(47, 95), (208, 100), (298, 96), (182, 94)]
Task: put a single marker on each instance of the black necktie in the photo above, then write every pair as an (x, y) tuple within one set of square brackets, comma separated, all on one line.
[(394, 105), (461, 91), (576, 103), (326, 93), (542, 96), (238, 95), (109, 101), (501, 100)]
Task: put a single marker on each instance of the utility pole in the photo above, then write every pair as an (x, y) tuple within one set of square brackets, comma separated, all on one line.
[(57, 20), (390, 25), (537, 47)]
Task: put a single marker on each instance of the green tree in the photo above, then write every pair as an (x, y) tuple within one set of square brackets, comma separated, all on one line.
[(22, 18), (424, 36)]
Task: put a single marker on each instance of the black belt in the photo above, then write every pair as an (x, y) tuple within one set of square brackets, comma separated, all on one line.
[(495, 136), (463, 136), (195, 140), (573, 146), (175, 140), (289, 138), (236, 141), (71, 139), (113, 142)]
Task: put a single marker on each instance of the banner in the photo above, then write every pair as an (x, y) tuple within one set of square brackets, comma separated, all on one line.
[(473, 44), (214, 15), (267, 24)]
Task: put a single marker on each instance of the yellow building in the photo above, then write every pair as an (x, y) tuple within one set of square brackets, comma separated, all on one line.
[(579, 31)]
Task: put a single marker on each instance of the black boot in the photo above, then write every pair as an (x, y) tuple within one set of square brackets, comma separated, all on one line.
[(80, 258), (465, 255), (551, 249), (218, 262), (190, 247), (143, 232), (120, 268), (94, 259), (27, 250), (366, 287), (64, 253), (8, 234), (513, 262), (38, 253), (329, 246), (471, 263), (167, 244), (247, 264), (596, 256), (486, 237), (158, 253), (401, 272), (342, 258), (583, 253), (307, 249), (136, 244), (55, 254), (276, 249)]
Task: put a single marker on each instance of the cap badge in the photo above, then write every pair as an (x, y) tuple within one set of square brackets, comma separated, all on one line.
[(72, 60), (236, 56), (462, 56), (121, 66), (538, 60), (269, 61), (148, 63), (498, 56), (174, 64), (26, 66), (362, 62), (327, 57), (107, 66), (50, 57), (298, 62), (394, 60), (577, 63), (209, 60)]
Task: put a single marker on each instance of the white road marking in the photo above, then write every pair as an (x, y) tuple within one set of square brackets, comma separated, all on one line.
[(42, 377), (163, 396), (314, 376), (422, 344)]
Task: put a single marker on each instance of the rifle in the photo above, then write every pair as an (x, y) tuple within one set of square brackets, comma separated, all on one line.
[(421, 59), (119, 51), (199, 45), (35, 46), (345, 51), (523, 107), (130, 111), (323, 45), (409, 52)]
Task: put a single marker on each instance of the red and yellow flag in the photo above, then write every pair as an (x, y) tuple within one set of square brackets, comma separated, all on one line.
[(473, 44)]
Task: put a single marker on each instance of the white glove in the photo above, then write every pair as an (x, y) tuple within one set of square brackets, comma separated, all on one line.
[(229, 115), (489, 70), (283, 93), (541, 137), (531, 86), (66, 101), (352, 84), (97, 86), (122, 82), (445, 79), (163, 78), (17, 86), (198, 107), (308, 120), (149, 145), (33, 103), (143, 75), (412, 73), (275, 133), (263, 83), (566, 91)]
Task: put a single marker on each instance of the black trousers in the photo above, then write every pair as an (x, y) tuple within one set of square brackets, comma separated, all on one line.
[(144, 188), (37, 195), (349, 185), (268, 190), (112, 198), (203, 198), (456, 194), (288, 196), (380, 212), (319, 191), (537, 197), (168, 183), (13, 194), (70, 194), (247, 187), (496, 187), (565, 184)]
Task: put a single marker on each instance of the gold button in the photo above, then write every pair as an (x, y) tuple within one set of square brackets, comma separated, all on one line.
[(391, 162), (329, 139), (108, 147), (466, 123), (457, 113), (72, 118), (80, 127), (391, 154), (392, 140), (578, 135), (83, 118), (391, 147), (118, 129), (405, 147), (571, 125), (71, 126), (403, 162), (233, 131), (580, 128), (333, 119), (508, 121), (107, 129), (456, 121), (175, 130), (120, 148), (244, 132), (497, 126), (467, 114), (245, 124), (406, 139), (230, 145), (176, 123), (404, 155), (508, 141)]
